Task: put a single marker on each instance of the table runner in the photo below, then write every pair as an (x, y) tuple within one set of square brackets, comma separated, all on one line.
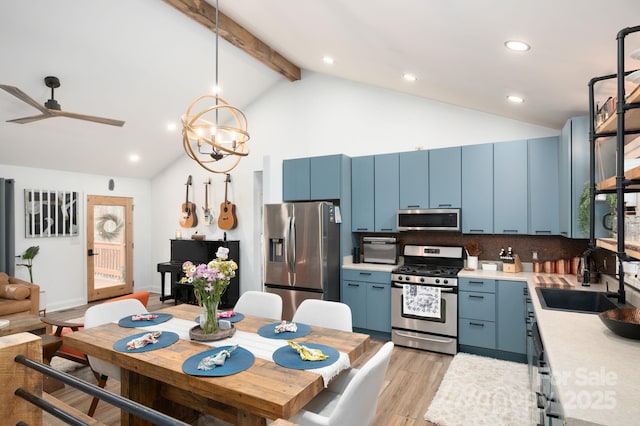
[(260, 346)]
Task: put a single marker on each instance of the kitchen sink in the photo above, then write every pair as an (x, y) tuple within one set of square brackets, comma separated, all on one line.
[(590, 302)]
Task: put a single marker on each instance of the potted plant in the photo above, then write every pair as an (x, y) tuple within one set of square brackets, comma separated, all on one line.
[(28, 256), (583, 209)]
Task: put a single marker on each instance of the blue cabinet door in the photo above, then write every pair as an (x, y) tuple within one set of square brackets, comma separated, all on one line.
[(477, 189), (326, 177), (354, 294), (564, 180), (379, 307), (445, 177), (476, 305), (479, 333), (362, 193), (543, 181), (511, 330), (414, 180), (510, 187), (386, 191), (296, 179)]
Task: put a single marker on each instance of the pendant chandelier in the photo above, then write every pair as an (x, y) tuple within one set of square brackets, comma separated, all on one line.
[(214, 133)]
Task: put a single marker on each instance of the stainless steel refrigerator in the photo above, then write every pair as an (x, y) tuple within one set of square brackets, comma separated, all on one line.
[(302, 253)]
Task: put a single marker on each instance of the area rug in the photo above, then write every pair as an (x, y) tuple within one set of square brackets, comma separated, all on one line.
[(477, 390)]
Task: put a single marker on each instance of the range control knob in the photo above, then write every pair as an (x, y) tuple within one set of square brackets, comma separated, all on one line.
[(437, 280), (445, 281), (421, 280)]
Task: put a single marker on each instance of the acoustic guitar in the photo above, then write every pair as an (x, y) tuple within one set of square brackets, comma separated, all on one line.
[(189, 218), (208, 216), (227, 217)]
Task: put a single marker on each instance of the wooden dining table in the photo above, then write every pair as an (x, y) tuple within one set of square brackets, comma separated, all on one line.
[(265, 390)]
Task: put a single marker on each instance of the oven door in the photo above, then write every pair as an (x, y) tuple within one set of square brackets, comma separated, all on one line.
[(446, 324)]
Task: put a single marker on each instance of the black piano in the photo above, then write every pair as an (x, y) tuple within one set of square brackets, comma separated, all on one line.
[(197, 252)]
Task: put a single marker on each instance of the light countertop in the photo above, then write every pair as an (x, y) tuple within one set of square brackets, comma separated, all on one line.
[(596, 372)]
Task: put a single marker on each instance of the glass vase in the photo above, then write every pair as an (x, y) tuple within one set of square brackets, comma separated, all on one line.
[(209, 318)]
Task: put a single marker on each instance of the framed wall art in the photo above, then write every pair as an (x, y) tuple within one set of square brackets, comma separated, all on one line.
[(50, 213)]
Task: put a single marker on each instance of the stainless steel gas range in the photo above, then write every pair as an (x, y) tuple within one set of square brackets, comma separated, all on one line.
[(424, 298)]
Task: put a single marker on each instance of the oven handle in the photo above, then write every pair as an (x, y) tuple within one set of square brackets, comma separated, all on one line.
[(428, 339), (442, 289)]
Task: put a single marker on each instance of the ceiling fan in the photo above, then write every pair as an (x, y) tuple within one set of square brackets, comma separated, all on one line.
[(51, 108)]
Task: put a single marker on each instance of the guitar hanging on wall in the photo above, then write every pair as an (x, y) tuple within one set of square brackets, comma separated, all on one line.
[(188, 218), (227, 217), (208, 215)]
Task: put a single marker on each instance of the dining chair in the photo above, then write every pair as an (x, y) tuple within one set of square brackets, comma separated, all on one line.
[(350, 399), (102, 314), (324, 313), (260, 304)]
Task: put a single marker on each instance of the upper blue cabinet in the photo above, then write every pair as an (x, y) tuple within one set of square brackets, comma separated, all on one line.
[(362, 193), (445, 175), (387, 189), (477, 189), (543, 186), (414, 180), (510, 188), (315, 178)]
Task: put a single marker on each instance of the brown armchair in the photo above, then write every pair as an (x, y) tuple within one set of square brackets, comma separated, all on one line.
[(18, 296)]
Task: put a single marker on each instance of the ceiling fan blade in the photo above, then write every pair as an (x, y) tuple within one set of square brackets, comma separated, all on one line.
[(25, 120), (24, 97), (101, 120)]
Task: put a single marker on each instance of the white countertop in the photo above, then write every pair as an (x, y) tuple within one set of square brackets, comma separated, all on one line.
[(596, 372)]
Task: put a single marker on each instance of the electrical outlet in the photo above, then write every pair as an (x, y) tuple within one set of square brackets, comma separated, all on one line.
[(534, 255)]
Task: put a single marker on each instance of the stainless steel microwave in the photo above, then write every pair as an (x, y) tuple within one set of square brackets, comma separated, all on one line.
[(429, 220)]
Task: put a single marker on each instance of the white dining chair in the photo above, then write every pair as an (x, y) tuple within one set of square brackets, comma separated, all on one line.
[(102, 314), (324, 313), (352, 398), (260, 304)]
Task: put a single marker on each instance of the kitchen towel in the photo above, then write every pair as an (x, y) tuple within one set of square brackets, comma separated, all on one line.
[(421, 301)]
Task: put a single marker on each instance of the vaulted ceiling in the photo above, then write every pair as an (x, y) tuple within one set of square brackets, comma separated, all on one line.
[(144, 61)]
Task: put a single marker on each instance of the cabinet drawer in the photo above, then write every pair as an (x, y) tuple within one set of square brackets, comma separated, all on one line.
[(475, 305), (477, 284), (368, 276), (477, 333)]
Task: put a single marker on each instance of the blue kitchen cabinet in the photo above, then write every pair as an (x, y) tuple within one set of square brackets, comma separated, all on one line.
[(445, 177), (511, 333), (510, 188), (327, 177), (477, 189), (542, 160), (296, 179), (477, 313), (315, 178), (354, 294), (386, 191), (414, 180), (362, 194), (368, 294)]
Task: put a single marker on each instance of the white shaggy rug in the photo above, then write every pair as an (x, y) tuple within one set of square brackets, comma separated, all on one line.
[(477, 390)]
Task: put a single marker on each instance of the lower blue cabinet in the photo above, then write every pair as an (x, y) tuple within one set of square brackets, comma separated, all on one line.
[(491, 316), (368, 294)]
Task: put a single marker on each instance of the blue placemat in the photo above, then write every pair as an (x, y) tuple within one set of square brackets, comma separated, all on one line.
[(288, 357), (128, 322), (237, 317), (268, 331), (167, 338), (240, 360)]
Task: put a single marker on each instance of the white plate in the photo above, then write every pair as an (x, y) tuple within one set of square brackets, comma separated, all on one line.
[(634, 77), (4, 323)]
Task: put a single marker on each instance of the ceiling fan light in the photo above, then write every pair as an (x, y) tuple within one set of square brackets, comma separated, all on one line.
[(515, 99)]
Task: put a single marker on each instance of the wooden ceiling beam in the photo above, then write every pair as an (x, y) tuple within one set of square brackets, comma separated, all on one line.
[(205, 14)]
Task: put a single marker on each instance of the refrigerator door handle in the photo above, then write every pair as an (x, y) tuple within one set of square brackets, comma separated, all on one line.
[(292, 242)]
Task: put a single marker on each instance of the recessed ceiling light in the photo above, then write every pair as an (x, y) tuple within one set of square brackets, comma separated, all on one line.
[(515, 99), (134, 158), (172, 127), (518, 46), (328, 60), (216, 90), (409, 77)]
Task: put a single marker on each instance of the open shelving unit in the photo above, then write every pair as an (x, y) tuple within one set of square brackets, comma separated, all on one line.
[(623, 124)]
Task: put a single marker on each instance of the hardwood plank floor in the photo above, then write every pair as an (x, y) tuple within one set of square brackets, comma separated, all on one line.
[(411, 382)]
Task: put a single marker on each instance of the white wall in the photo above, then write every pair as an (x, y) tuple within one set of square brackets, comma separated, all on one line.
[(60, 267), (317, 115)]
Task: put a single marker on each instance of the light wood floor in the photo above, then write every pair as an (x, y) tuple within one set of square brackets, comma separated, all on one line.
[(411, 382)]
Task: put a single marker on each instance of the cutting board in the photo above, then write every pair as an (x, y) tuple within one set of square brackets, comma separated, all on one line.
[(556, 281)]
